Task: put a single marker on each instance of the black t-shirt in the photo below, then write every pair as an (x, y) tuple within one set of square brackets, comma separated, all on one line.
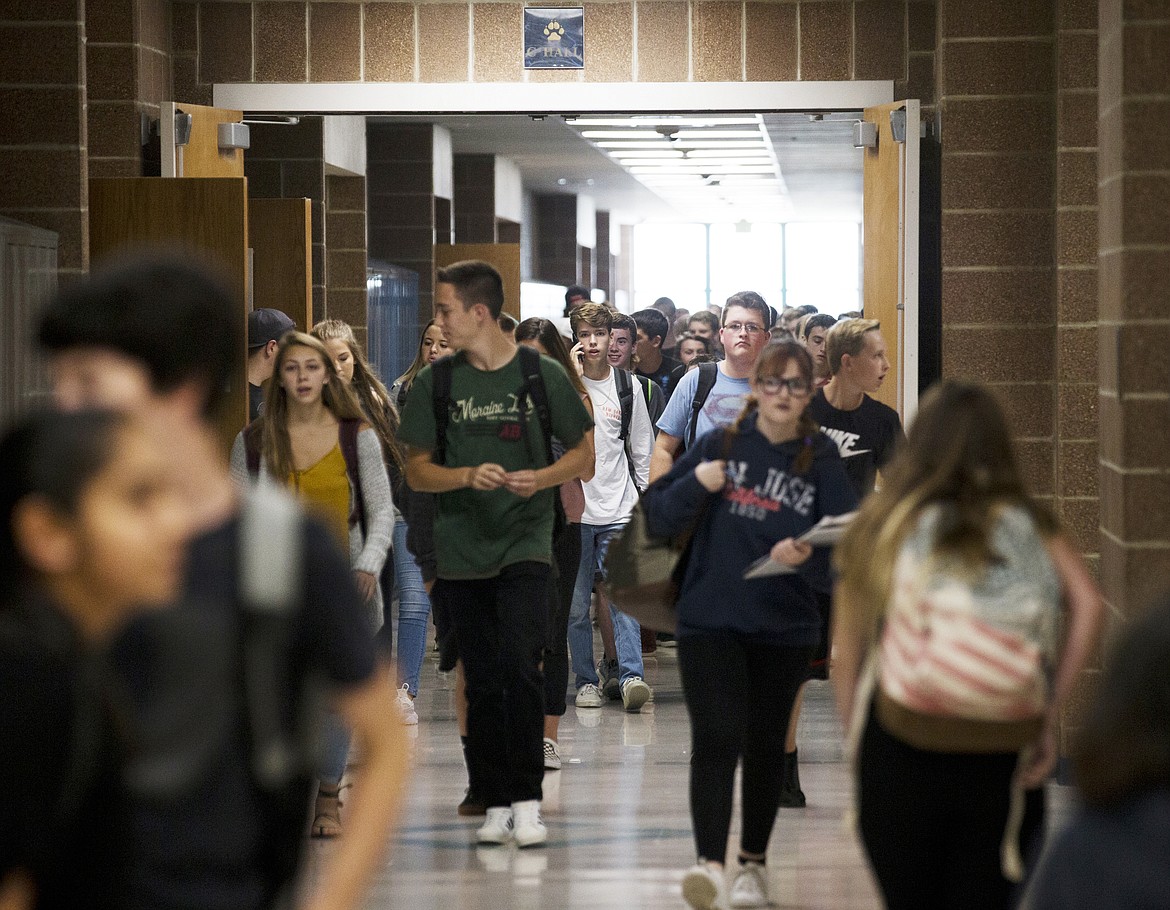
[(200, 845), (664, 375), (255, 401), (56, 738), (865, 437)]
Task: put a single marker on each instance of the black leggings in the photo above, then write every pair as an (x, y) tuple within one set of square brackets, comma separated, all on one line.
[(932, 823), (566, 556), (739, 696)]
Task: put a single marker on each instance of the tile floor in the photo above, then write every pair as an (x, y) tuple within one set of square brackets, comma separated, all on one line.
[(617, 814)]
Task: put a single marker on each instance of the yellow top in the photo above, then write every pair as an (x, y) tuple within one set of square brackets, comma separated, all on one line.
[(325, 486)]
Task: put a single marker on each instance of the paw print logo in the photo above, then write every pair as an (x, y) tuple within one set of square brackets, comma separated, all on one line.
[(554, 31)]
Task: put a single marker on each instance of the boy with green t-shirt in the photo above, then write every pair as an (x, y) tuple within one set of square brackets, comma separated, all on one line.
[(493, 534)]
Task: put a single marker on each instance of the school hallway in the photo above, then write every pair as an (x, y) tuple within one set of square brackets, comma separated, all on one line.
[(619, 827)]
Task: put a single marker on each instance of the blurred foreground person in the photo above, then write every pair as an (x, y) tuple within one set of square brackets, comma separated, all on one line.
[(225, 695), (952, 584), (90, 532), (1115, 851)]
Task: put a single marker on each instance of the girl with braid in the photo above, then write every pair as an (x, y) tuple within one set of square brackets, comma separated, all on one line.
[(744, 644)]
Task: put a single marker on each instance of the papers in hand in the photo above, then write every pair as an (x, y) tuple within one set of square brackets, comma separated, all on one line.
[(824, 533)]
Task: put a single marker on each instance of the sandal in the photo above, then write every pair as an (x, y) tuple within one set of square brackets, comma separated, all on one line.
[(327, 813)]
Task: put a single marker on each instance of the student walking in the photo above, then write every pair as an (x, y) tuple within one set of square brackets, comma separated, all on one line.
[(543, 336), (476, 427), (91, 532), (710, 397), (159, 337), (623, 439), (952, 580), (744, 645), (314, 439), (400, 573)]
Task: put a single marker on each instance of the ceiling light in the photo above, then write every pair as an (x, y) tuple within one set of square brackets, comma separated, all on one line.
[(561, 181)]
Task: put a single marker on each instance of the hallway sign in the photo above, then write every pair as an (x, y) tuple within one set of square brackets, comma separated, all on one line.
[(554, 38)]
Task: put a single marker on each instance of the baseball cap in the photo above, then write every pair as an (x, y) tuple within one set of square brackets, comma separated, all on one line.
[(265, 325)]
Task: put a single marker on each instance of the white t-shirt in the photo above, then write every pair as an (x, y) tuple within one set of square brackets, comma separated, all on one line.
[(611, 494)]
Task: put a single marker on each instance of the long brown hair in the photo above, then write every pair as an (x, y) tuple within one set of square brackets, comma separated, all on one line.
[(772, 363), (336, 396), (958, 452), (420, 360), (551, 339), (370, 391)]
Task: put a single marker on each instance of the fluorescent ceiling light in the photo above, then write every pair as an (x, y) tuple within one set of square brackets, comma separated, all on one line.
[(664, 121), (680, 135), (662, 144)]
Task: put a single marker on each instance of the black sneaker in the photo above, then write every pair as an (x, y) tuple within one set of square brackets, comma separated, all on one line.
[(471, 807), (610, 677)]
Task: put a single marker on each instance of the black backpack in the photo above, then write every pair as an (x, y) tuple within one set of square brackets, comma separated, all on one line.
[(708, 374), (625, 387)]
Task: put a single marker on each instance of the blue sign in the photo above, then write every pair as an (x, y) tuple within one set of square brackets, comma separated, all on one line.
[(554, 38)]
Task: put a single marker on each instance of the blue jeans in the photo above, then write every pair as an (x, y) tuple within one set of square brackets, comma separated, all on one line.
[(414, 608), (626, 631), (335, 739)]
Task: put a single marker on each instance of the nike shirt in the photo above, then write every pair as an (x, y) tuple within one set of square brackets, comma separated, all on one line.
[(865, 437)]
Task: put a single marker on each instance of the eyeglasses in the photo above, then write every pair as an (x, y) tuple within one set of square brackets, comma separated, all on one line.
[(750, 327), (796, 386)]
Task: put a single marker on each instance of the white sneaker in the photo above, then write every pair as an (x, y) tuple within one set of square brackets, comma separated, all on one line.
[(635, 693), (528, 829), (750, 888), (406, 706), (703, 887), (589, 696), (552, 755), (498, 827)]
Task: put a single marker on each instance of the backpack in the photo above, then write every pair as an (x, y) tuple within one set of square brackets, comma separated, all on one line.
[(963, 657), (708, 374), (347, 435)]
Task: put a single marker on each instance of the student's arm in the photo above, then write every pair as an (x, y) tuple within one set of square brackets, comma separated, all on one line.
[(1086, 613), (662, 458), (377, 794), (641, 440), (378, 504), (424, 476), (673, 501), (850, 645), (574, 463)]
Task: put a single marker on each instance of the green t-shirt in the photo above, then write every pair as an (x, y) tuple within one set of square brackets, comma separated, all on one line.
[(477, 534)]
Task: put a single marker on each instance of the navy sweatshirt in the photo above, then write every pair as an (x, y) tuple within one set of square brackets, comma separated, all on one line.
[(762, 503)]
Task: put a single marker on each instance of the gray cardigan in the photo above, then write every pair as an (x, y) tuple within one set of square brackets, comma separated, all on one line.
[(368, 554)]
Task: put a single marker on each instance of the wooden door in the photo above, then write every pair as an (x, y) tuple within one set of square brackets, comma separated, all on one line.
[(201, 156), (207, 218), (890, 248), (282, 257), (504, 256)]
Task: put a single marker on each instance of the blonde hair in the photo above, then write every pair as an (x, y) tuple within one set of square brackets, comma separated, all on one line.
[(595, 315), (370, 391), (336, 396), (847, 337)]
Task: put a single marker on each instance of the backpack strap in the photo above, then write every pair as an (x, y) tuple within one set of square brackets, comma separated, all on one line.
[(536, 392), (625, 387), (708, 374), (347, 436), (441, 372)]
